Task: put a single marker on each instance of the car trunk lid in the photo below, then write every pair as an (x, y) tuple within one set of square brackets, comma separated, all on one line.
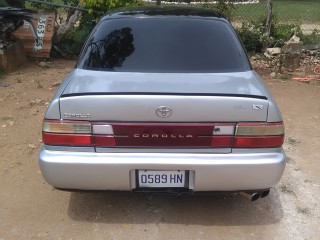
[(164, 110)]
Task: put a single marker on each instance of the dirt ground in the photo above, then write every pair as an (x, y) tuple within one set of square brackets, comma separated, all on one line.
[(31, 209)]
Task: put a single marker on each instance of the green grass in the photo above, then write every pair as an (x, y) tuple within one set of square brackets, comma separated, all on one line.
[(284, 10)]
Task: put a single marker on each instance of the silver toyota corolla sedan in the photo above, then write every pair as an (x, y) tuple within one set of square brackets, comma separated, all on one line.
[(163, 99)]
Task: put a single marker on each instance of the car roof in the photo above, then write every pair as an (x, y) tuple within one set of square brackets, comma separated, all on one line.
[(163, 11)]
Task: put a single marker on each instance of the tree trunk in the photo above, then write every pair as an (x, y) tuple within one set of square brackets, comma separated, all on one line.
[(269, 17), (67, 26), (268, 22)]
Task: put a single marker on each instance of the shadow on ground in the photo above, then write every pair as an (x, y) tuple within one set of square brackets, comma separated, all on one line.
[(133, 208)]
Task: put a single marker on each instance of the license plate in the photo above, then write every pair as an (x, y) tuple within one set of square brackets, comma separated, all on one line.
[(161, 179)]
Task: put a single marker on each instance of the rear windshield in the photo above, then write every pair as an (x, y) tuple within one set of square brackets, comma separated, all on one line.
[(164, 45)]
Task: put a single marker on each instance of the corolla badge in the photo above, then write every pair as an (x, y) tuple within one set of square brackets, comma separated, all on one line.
[(163, 112), (76, 115)]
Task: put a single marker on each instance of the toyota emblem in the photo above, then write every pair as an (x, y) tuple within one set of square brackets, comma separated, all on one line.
[(164, 112)]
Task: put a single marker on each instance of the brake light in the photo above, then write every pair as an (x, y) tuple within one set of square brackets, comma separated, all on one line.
[(259, 135), (67, 139)]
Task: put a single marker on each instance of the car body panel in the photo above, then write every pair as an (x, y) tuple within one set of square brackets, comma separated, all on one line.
[(142, 108), (89, 81), (112, 171)]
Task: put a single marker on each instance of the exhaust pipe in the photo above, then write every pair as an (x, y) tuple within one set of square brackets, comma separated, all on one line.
[(251, 196), (265, 193)]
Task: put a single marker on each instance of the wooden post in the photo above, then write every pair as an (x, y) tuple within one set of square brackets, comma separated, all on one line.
[(268, 23), (269, 17)]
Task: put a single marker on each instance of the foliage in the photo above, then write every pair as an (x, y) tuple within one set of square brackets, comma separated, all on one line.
[(226, 8), (72, 42), (3, 3), (254, 38), (39, 5), (286, 10), (313, 38), (251, 35), (106, 5)]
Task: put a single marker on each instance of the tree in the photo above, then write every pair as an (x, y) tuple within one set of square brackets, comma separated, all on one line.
[(15, 3), (107, 5)]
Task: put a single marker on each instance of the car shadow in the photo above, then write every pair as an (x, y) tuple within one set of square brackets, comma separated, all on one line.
[(219, 209)]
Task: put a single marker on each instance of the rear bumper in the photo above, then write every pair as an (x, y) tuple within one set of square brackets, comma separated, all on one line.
[(116, 171)]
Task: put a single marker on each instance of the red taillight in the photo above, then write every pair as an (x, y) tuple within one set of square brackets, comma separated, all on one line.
[(217, 135), (67, 139), (67, 133), (222, 141), (77, 133), (259, 142), (259, 135), (104, 141)]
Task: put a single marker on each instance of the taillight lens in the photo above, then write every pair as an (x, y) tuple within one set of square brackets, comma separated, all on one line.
[(259, 135), (67, 139), (241, 135), (76, 133), (70, 133)]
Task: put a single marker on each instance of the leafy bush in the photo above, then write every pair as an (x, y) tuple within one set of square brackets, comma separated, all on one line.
[(254, 38), (313, 38), (106, 5), (72, 42), (223, 7), (251, 34)]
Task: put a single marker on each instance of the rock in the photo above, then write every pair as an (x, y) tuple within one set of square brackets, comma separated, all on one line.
[(56, 84), (43, 64), (294, 38), (36, 101), (268, 56), (274, 51), (11, 123), (292, 47), (292, 61), (311, 47), (32, 146), (253, 58), (4, 84), (312, 53), (273, 74)]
